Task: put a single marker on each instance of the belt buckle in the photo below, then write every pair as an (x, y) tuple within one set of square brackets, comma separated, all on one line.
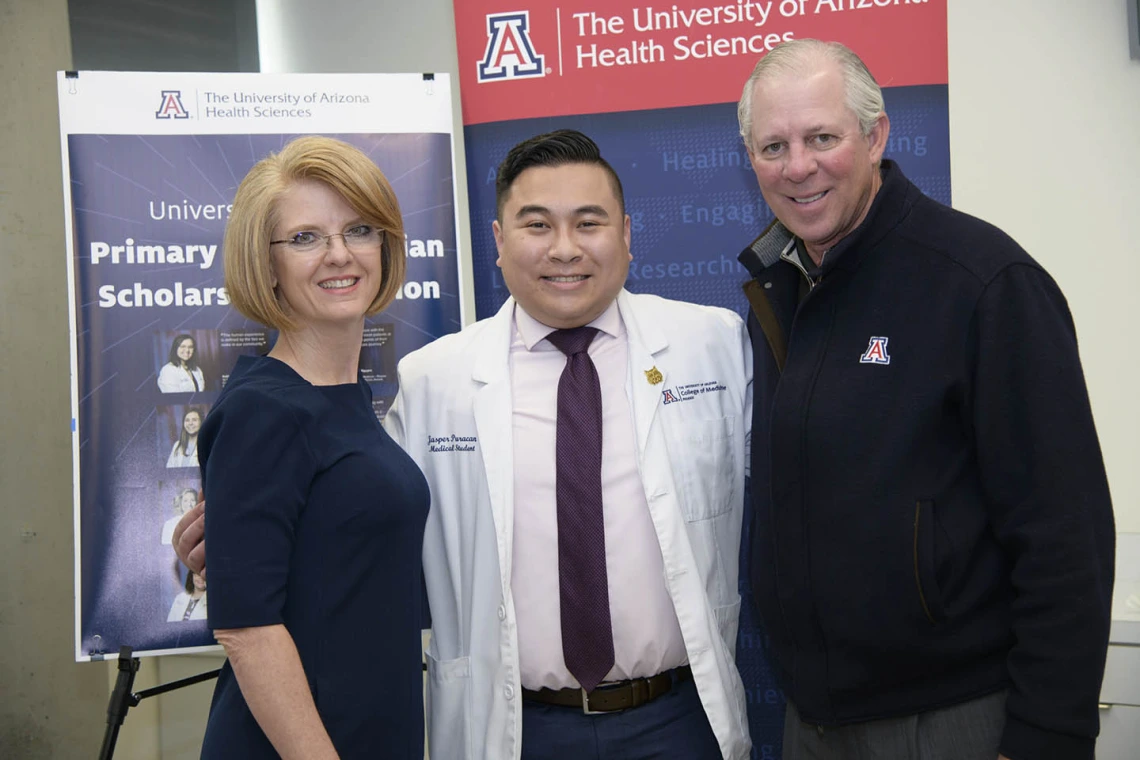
[(586, 704)]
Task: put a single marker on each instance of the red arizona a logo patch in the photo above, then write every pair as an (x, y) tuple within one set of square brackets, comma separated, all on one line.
[(876, 352)]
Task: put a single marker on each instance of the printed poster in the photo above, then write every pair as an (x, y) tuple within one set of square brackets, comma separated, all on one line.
[(151, 163)]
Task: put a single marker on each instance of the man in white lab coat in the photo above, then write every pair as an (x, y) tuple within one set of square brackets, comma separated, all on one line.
[(477, 412)]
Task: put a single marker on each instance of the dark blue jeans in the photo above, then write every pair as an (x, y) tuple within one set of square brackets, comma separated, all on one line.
[(670, 727)]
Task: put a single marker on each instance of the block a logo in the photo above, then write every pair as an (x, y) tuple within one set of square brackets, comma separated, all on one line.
[(876, 352), (171, 106), (510, 53)]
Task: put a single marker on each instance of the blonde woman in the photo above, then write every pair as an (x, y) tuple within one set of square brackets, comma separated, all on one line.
[(316, 517)]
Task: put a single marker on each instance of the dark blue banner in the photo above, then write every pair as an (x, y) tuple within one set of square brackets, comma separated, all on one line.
[(148, 215)]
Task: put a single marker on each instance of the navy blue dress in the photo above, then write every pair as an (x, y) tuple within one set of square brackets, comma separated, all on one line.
[(316, 521)]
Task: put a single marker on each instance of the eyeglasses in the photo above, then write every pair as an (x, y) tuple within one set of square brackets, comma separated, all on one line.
[(362, 237)]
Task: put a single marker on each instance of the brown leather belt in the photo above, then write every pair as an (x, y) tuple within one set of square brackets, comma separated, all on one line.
[(611, 697)]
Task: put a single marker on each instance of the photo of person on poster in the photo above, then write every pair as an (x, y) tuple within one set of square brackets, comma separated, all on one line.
[(181, 373), (184, 453), (190, 604), (184, 501)]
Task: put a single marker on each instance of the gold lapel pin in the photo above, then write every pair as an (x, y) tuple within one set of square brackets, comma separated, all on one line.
[(654, 376)]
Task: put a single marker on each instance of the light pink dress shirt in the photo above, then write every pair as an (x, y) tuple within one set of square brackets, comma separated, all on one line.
[(647, 636)]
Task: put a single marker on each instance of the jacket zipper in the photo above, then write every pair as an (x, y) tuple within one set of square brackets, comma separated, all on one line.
[(795, 261), (917, 576)]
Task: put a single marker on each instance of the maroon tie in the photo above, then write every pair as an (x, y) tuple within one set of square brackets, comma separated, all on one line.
[(587, 637)]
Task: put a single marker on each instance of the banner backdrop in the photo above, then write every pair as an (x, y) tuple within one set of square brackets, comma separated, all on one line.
[(151, 163), (656, 86)]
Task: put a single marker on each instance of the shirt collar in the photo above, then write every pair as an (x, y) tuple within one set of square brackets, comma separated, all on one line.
[(533, 332)]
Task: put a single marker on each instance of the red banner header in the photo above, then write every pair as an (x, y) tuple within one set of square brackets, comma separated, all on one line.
[(525, 60)]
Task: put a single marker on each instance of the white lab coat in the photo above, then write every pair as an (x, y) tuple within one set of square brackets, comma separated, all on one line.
[(172, 379), (453, 416)]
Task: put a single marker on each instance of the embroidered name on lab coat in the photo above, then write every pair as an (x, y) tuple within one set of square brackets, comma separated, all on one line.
[(438, 444), (690, 391)]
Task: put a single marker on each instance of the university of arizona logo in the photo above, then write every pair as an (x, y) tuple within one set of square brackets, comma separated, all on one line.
[(510, 53), (876, 352), (668, 396), (171, 107)]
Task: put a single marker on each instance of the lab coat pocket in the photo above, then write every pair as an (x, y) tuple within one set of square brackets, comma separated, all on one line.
[(704, 466), (727, 622), (449, 684)]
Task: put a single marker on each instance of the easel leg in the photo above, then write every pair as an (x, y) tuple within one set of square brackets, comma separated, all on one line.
[(121, 701)]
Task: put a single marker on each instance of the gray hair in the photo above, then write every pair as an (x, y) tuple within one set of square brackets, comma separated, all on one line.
[(864, 97)]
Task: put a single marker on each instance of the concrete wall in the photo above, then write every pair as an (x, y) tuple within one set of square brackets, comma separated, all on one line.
[(49, 706)]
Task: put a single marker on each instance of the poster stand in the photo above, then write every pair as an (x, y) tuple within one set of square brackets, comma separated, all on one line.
[(123, 698)]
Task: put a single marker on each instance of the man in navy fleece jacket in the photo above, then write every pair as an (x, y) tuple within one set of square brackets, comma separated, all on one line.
[(932, 542)]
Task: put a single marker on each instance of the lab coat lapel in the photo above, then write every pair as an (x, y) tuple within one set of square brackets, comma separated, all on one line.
[(646, 379), (493, 425)]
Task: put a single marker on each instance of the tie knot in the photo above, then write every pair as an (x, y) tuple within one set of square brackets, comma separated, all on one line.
[(573, 341)]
